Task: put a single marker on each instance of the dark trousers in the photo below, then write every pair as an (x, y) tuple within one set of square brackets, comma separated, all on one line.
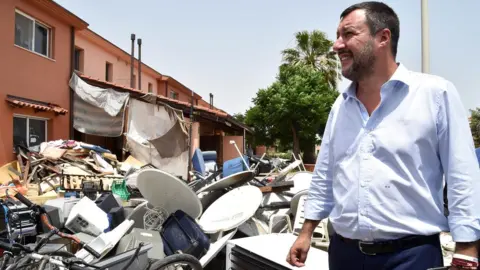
[(346, 256)]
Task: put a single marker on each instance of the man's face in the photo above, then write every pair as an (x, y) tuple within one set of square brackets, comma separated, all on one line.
[(355, 46)]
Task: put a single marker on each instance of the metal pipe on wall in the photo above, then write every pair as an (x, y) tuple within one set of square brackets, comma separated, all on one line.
[(139, 42), (425, 38), (72, 69), (190, 155), (132, 59)]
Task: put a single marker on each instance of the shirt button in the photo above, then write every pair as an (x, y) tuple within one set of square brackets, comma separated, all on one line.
[(362, 184), (363, 212)]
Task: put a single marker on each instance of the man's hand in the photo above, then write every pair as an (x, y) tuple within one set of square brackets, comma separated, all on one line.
[(299, 250)]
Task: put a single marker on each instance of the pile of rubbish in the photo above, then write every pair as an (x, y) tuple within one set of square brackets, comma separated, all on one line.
[(112, 206), (66, 166)]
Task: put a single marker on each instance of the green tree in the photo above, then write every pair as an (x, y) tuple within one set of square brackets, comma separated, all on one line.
[(293, 110), (240, 117), (475, 126), (313, 49)]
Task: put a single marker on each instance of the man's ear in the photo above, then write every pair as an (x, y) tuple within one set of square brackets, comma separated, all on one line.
[(384, 37)]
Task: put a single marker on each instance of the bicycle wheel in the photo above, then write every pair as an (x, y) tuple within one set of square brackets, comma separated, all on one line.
[(177, 259)]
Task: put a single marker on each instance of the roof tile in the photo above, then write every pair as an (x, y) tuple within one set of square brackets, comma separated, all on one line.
[(47, 107)]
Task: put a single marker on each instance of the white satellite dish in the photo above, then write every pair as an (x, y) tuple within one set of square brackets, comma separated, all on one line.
[(234, 180), (231, 210), (164, 190)]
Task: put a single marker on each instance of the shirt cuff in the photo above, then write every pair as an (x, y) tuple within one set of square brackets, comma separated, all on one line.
[(314, 213), (464, 229)]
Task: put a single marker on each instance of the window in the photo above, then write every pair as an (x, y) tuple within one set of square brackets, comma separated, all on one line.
[(78, 61), (150, 88), (31, 34), (108, 72), (29, 132), (173, 94)]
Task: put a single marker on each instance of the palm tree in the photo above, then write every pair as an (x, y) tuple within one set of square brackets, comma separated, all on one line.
[(313, 49)]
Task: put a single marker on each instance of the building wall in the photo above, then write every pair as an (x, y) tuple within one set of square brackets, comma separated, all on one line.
[(203, 103), (229, 150), (95, 58), (30, 75), (165, 88)]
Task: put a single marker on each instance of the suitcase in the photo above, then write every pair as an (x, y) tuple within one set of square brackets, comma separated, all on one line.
[(181, 233)]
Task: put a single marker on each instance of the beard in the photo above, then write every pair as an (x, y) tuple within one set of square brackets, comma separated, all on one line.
[(362, 64)]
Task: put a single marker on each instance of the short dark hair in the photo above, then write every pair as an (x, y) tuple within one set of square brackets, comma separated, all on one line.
[(379, 16)]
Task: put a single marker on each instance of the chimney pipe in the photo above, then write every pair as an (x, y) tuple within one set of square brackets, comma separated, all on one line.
[(211, 101), (132, 59), (139, 41)]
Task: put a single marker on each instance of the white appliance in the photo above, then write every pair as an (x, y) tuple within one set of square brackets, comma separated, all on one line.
[(269, 251)]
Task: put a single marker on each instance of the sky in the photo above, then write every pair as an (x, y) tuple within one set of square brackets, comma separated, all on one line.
[(233, 48)]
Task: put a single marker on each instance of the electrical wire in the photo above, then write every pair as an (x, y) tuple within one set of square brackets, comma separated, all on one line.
[(135, 256)]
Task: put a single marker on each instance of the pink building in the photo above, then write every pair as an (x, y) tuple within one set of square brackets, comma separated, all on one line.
[(43, 44), (37, 49), (99, 58)]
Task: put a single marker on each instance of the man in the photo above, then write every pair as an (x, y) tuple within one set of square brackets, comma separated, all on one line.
[(390, 139)]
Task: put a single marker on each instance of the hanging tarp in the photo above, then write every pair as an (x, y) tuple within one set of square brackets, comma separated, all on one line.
[(173, 143), (146, 153), (158, 135), (97, 111)]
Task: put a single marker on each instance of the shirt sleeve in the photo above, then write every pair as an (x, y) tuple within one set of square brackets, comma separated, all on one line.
[(460, 166), (319, 202)]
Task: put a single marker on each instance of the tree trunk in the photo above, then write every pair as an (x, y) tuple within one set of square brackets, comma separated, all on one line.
[(296, 142), (309, 156)]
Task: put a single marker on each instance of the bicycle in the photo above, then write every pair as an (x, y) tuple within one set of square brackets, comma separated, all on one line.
[(23, 255), (172, 260)]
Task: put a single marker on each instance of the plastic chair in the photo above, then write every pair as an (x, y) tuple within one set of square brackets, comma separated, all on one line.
[(321, 237)]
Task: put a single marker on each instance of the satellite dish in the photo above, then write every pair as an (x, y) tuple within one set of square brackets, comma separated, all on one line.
[(234, 180), (164, 190), (231, 210)]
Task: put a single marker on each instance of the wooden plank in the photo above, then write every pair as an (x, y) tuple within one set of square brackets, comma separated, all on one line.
[(277, 187), (281, 184)]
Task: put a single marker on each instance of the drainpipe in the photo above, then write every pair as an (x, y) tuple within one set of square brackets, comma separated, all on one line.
[(132, 59), (190, 139), (139, 42), (72, 67)]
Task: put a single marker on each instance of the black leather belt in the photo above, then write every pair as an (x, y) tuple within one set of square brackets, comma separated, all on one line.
[(391, 246)]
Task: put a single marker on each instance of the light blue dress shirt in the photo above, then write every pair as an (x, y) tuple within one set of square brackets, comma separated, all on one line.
[(380, 177)]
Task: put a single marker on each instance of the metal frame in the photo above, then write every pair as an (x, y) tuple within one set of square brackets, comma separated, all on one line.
[(34, 22), (28, 124)]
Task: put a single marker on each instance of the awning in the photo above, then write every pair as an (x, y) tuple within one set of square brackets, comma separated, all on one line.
[(35, 104)]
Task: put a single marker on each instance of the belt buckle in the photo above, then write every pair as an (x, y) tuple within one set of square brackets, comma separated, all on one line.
[(360, 243)]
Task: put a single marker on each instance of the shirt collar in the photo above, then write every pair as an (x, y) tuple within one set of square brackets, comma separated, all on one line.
[(400, 75)]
